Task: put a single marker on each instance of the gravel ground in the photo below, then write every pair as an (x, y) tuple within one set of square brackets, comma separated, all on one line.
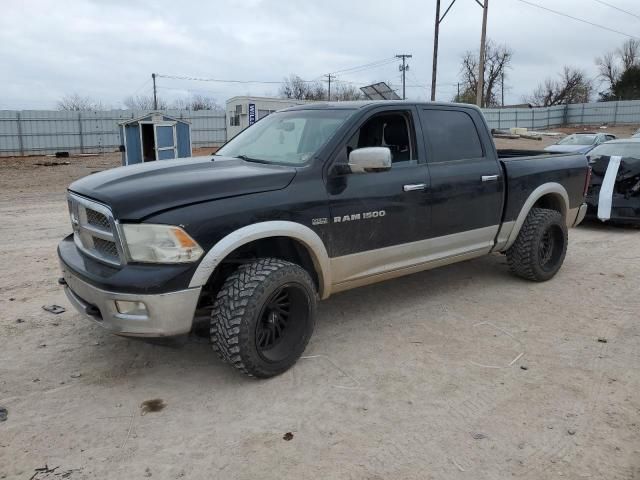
[(460, 372)]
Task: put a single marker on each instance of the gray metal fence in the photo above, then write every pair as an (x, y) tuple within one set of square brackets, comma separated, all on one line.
[(612, 113), (34, 132), (38, 132)]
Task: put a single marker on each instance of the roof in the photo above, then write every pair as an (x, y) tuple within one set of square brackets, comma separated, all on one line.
[(137, 119), (360, 104), (623, 140), (242, 98)]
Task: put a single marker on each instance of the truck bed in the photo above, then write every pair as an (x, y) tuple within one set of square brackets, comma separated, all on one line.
[(524, 174), (513, 152)]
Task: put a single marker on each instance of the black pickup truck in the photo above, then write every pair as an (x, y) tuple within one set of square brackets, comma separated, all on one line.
[(309, 201)]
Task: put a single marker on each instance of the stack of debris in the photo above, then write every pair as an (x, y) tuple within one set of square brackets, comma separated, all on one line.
[(515, 133)]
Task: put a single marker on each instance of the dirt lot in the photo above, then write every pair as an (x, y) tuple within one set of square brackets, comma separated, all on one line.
[(461, 372)]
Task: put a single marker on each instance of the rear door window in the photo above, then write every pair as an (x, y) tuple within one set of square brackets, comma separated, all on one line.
[(451, 134)]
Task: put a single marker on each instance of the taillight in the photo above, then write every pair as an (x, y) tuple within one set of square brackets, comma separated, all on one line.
[(587, 181)]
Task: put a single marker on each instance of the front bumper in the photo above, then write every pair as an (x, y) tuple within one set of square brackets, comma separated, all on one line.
[(167, 314)]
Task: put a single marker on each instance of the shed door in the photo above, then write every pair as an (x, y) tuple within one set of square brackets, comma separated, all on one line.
[(166, 144)]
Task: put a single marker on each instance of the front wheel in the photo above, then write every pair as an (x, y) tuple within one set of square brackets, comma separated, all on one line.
[(263, 316), (539, 251)]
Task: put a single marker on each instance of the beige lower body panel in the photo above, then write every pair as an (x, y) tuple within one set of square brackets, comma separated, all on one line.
[(351, 271)]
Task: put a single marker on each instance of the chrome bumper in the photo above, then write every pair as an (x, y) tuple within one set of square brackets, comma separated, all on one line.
[(167, 314), (582, 211)]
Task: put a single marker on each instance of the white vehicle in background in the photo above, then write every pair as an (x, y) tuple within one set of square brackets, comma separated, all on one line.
[(579, 142)]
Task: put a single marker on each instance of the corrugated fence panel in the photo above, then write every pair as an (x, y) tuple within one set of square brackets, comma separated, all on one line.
[(208, 128), (532, 118), (37, 132), (628, 112), (9, 133)]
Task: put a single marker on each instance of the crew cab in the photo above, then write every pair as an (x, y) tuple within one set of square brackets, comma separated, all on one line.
[(307, 202)]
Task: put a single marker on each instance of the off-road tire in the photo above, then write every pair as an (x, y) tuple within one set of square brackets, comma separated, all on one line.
[(524, 256), (238, 309)]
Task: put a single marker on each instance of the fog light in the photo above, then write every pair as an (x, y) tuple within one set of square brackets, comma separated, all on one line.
[(131, 308)]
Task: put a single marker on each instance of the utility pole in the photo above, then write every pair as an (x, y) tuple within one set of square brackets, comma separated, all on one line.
[(436, 34), (403, 68), (434, 67), (329, 77), (155, 96), (502, 86), (483, 44), (458, 97)]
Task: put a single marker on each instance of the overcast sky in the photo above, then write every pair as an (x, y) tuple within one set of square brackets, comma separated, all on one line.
[(107, 49)]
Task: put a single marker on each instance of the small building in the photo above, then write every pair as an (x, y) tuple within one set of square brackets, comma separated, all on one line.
[(154, 136), (245, 111)]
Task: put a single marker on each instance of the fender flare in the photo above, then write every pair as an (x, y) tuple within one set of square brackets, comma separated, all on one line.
[(296, 231), (544, 189)]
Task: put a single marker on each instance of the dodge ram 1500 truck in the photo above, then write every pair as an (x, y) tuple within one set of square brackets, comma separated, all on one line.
[(308, 201)]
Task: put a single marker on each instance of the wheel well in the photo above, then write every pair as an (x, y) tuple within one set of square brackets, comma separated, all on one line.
[(552, 201), (284, 248)]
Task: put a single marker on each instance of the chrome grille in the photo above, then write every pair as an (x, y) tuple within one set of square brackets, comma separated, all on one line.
[(106, 248), (94, 229), (97, 219)]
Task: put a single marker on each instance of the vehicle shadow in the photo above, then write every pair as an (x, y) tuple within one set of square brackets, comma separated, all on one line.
[(597, 225), (191, 359)]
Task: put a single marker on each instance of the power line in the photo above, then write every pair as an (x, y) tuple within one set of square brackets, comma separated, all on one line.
[(577, 19), (187, 90), (272, 82), (144, 84), (366, 66), (218, 80), (346, 71), (618, 8)]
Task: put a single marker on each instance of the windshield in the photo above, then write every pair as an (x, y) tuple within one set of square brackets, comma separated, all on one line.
[(578, 140), (290, 138), (631, 150)]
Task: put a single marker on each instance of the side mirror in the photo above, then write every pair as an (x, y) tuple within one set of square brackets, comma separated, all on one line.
[(370, 159)]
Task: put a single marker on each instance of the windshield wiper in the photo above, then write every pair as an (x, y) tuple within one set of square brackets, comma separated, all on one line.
[(249, 159)]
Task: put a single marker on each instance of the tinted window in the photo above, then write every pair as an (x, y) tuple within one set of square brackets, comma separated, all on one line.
[(452, 135), (392, 130)]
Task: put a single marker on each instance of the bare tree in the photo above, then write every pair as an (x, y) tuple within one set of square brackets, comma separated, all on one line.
[(608, 67), (344, 92), (202, 102), (295, 87), (196, 102), (497, 61), (613, 65), (76, 102), (629, 53), (572, 86), (143, 102)]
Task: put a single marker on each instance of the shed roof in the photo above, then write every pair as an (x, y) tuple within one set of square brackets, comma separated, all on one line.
[(149, 114)]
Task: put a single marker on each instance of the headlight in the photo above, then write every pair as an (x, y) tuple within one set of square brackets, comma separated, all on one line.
[(159, 244)]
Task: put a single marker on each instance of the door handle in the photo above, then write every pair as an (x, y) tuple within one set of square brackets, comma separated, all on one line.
[(412, 187), (489, 178)]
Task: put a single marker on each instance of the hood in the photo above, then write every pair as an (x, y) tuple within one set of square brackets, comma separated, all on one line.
[(136, 191), (568, 148)]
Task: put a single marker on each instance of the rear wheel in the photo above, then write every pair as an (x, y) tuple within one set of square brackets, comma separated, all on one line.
[(539, 251), (263, 316)]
